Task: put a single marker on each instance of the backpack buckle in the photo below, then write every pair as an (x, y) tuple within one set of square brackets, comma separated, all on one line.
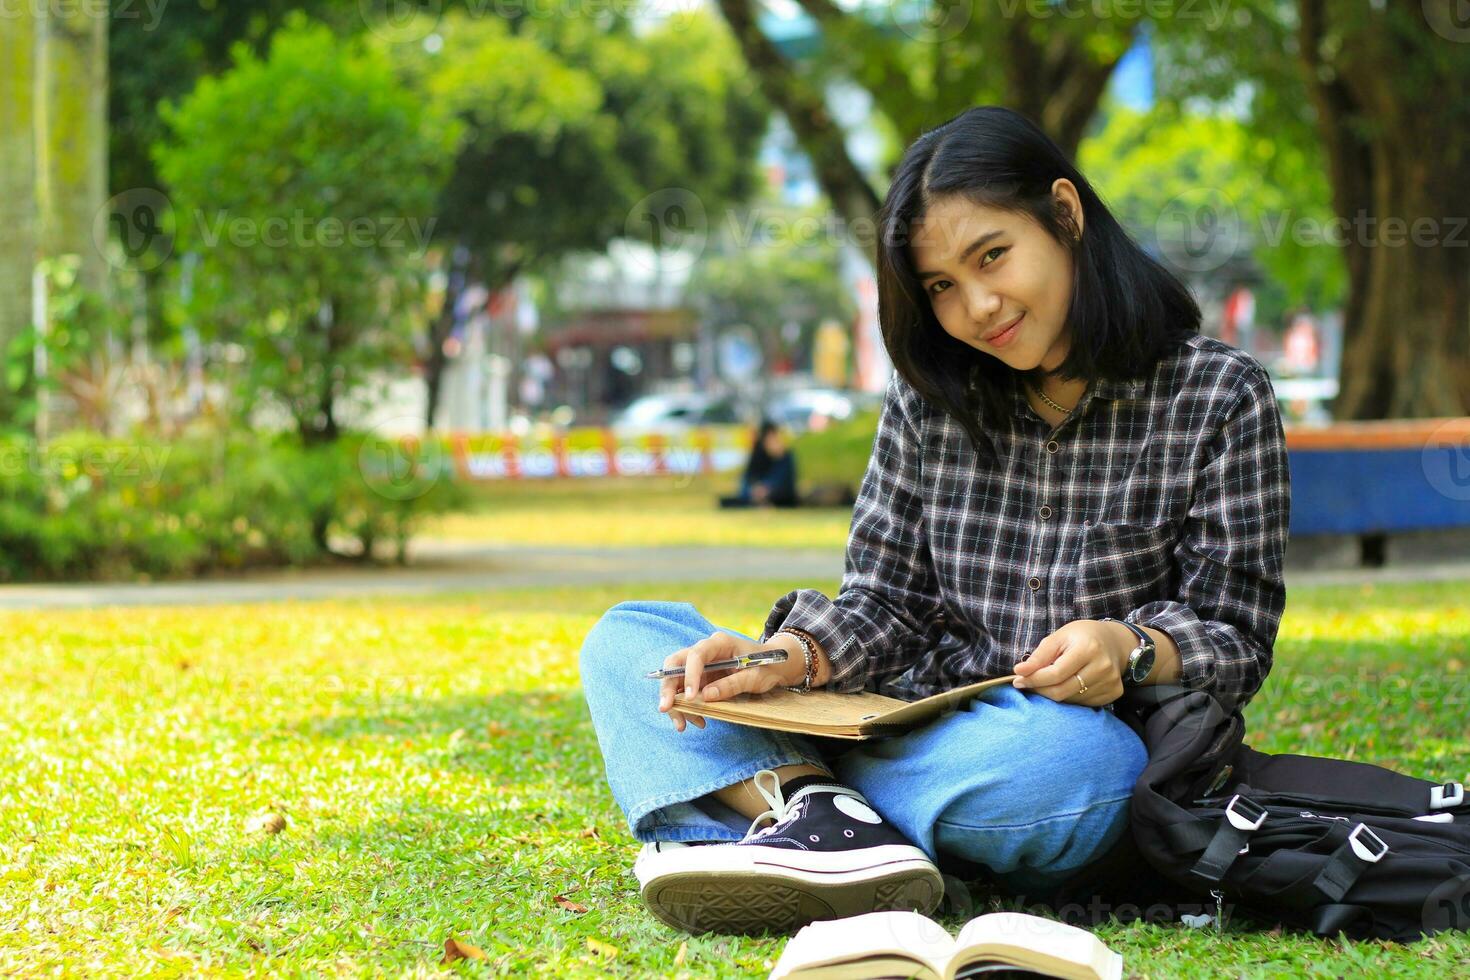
[(1244, 814), (1446, 796), (1361, 847)]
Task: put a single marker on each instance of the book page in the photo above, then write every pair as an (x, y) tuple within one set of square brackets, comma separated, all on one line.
[(1030, 940), (860, 937)]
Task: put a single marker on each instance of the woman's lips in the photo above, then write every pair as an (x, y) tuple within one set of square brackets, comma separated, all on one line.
[(1002, 339)]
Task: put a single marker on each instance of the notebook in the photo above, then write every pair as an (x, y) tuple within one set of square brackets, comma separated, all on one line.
[(911, 945), (864, 714)]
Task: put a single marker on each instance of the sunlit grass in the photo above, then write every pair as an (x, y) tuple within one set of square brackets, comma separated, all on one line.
[(438, 777), (641, 511)]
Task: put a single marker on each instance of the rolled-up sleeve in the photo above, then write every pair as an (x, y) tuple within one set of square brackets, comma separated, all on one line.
[(888, 608), (1231, 554)]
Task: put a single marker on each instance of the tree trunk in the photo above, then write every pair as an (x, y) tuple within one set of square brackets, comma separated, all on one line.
[(17, 187), (806, 111), (1396, 165), (71, 146)]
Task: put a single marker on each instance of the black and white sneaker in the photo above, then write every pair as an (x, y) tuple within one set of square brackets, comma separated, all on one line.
[(827, 855)]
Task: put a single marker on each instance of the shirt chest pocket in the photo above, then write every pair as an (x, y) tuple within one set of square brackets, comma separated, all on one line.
[(1122, 566)]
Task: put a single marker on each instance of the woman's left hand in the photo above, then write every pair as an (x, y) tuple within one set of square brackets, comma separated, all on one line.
[(1083, 648)]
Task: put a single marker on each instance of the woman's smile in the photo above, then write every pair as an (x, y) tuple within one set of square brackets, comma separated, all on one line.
[(1006, 336)]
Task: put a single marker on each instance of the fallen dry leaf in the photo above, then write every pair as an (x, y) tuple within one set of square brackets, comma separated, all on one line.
[(569, 905), (495, 729), (267, 823), (601, 948), (455, 949), (681, 954), (590, 832)]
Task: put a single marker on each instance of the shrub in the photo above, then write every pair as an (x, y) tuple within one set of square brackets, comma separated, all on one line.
[(90, 507)]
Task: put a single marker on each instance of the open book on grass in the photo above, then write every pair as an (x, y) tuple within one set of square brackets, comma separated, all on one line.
[(863, 714), (907, 944)]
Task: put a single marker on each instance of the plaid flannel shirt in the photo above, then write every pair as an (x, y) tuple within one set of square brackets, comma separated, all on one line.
[(1161, 500)]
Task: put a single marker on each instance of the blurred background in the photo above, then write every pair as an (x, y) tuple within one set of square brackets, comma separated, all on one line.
[(281, 282)]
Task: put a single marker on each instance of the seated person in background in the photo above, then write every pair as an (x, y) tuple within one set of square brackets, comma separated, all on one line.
[(770, 474)]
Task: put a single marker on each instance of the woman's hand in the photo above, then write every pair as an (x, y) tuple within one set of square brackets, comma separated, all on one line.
[(1085, 648), (722, 684)]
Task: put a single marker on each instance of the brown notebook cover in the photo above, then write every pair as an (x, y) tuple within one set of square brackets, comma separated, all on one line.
[(864, 714)]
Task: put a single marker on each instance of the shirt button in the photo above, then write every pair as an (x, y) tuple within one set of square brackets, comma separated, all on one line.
[(1046, 513), (1035, 583), (1053, 446)]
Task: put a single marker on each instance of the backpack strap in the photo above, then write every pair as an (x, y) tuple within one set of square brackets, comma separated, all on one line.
[(1362, 848), (1231, 839)]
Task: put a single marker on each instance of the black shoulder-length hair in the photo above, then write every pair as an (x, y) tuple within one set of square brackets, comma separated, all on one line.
[(1126, 308)]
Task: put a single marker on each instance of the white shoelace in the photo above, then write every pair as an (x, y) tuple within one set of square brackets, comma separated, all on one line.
[(780, 809)]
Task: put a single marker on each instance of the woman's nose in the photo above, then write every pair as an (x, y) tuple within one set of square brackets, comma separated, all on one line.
[(982, 305)]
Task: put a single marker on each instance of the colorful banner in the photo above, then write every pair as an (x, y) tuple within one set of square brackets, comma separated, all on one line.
[(596, 453)]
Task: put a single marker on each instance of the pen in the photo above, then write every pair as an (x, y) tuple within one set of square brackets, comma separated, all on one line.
[(754, 658)]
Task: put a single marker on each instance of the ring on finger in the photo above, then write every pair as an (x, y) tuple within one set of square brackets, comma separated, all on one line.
[(1081, 684)]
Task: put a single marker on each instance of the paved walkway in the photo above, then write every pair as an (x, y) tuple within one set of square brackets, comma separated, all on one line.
[(449, 567)]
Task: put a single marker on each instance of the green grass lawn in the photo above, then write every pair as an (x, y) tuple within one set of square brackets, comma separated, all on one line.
[(438, 778), (633, 512)]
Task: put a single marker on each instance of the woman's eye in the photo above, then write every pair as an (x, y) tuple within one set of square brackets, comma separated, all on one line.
[(999, 248)]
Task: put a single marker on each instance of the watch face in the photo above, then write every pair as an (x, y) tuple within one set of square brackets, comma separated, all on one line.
[(1140, 665)]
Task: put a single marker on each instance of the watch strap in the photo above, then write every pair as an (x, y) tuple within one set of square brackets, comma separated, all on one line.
[(1145, 645)]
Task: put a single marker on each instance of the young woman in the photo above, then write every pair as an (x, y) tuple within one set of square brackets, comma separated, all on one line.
[(1068, 483), (769, 479)]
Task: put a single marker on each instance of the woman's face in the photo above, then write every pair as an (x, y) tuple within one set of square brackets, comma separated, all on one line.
[(775, 442), (982, 268)]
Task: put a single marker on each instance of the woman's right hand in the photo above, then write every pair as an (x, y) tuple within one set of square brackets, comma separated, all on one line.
[(721, 684)]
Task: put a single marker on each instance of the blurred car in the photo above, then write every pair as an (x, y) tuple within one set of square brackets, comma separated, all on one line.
[(809, 409), (674, 413)]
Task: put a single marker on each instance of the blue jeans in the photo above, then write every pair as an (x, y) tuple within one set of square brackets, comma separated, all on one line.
[(1029, 788)]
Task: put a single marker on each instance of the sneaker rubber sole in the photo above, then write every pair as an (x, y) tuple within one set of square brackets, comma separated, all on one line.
[(740, 892)]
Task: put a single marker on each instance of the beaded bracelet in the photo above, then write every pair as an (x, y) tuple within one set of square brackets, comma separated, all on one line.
[(809, 656)]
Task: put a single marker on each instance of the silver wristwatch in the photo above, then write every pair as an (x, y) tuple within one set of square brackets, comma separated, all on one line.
[(1140, 659)]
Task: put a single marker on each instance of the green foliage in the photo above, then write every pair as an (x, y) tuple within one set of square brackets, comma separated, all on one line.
[(306, 183), (562, 102), (1140, 162), (839, 453), (87, 507)]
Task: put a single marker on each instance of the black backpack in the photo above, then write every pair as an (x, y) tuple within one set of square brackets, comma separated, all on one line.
[(1327, 845)]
